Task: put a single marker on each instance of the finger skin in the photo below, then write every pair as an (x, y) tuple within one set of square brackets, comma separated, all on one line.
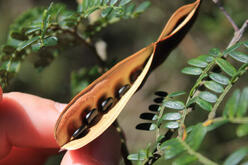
[(27, 156), (26, 121), (105, 150), (26, 134)]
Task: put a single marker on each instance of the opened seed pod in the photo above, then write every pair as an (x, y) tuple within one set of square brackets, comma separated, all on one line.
[(96, 107)]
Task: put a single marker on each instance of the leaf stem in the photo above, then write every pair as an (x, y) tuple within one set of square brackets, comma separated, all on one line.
[(199, 156)]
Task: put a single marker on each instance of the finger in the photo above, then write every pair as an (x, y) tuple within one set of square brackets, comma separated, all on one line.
[(27, 121), (105, 150), (26, 156)]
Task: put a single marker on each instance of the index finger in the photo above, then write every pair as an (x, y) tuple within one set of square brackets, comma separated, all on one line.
[(27, 121)]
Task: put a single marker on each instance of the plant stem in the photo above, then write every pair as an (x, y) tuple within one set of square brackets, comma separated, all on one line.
[(199, 156), (238, 120), (221, 97), (229, 18), (124, 150)]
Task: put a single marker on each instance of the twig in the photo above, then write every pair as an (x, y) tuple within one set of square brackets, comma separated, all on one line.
[(238, 34), (124, 150), (235, 27)]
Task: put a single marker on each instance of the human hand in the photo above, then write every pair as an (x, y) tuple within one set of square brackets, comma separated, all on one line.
[(26, 134)]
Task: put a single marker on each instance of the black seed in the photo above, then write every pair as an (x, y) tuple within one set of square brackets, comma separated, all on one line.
[(134, 75), (80, 132), (144, 126), (153, 107), (123, 90), (161, 93), (158, 100), (147, 116), (106, 105), (91, 117)]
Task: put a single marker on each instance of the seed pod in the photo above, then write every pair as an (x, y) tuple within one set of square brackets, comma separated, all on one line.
[(133, 70)]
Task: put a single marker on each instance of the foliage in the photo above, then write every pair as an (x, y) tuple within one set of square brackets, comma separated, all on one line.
[(216, 77), (44, 32)]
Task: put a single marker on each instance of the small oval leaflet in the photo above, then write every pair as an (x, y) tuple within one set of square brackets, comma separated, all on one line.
[(192, 71), (171, 116), (209, 97), (172, 125), (219, 78), (214, 86), (174, 105)]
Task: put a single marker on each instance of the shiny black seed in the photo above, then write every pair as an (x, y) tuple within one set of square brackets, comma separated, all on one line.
[(91, 117), (144, 126), (80, 132), (147, 116), (106, 105), (153, 107), (161, 93), (123, 90), (134, 75), (158, 100)]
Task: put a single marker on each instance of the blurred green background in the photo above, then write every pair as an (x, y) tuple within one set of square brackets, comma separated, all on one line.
[(124, 38)]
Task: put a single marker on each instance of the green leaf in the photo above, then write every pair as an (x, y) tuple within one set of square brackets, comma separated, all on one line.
[(219, 78), (85, 5), (232, 104), (245, 44), (171, 148), (36, 47), (232, 48), (142, 7), (175, 94), (237, 156), (239, 56), (192, 71), (130, 8), (206, 58), (207, 96), (124, 2), (226, 66), (215, 52), (105, 2), (139, 156), (174, 104), (184, 159), (213, 86), (172, 125), (33, 30), (243, 103), (204, 104), (27, 43), (113, 2), (171, 116), (50, 41), (196, 136), (242, 130), (106, 11), (197, 63)]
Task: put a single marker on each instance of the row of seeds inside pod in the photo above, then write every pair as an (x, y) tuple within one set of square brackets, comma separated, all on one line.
[(93, 116)]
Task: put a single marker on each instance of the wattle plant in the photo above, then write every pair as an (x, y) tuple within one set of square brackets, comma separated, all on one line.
[(45, 32)]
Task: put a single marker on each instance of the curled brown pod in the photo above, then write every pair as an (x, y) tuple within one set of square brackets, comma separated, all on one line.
[(129, 74)]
